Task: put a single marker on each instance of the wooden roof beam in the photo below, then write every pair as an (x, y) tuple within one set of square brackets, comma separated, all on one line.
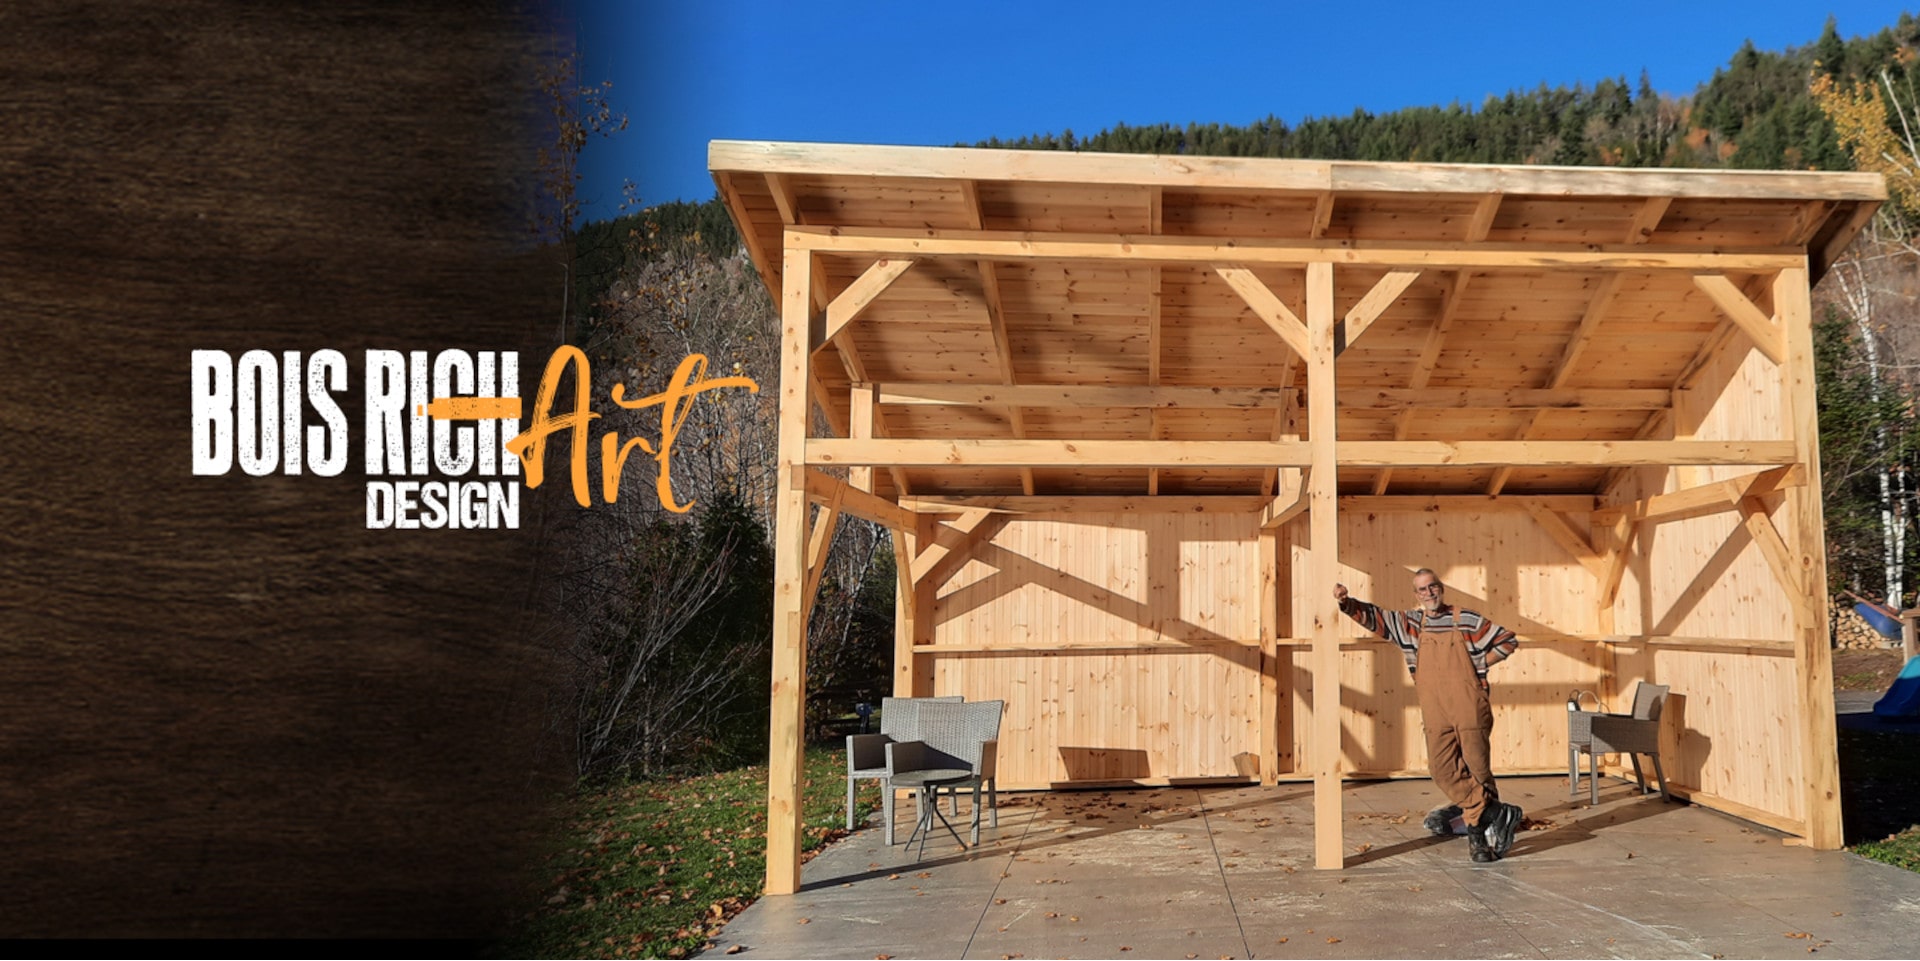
[(976, 218), (1223, 453), (1305, 176), (998, 245)]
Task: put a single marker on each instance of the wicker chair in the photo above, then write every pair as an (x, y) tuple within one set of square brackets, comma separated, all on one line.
[(866, 753), (1594, 733), (965, 735)]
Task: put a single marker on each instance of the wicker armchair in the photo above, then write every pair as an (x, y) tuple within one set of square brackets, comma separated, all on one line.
[(866, 753), (1594, 733), (964, 736)]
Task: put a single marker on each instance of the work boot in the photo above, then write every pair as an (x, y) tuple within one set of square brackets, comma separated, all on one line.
[(1439, 821), (1477, 848), (1500, 822)]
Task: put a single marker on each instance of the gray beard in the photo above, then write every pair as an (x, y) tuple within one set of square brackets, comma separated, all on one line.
[(1431, 606)]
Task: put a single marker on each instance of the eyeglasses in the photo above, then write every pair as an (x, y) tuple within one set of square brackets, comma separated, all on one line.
[(1433, 588)]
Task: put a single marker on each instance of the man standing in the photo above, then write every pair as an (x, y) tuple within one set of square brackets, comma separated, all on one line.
[(1448, 651)]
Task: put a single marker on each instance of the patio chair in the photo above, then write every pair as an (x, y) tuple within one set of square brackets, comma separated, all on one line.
[(1594, 733), (866, 753), (962, 736)]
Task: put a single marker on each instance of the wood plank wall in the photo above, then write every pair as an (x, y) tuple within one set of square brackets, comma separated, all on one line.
[(1734, 738), (1110, 584)]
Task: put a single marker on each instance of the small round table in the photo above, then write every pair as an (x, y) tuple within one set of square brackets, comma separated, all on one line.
[(925, 782)]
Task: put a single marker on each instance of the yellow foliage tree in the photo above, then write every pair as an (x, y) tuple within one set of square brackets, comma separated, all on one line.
[(1861, 113)]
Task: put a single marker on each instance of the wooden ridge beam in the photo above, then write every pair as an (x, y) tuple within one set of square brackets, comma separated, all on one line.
[(1760, 328), (1018, 246), (1178, 453), (1266, 305), (824, 488)]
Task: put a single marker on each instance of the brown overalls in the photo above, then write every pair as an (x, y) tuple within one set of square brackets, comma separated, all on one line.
[(1458, 720)]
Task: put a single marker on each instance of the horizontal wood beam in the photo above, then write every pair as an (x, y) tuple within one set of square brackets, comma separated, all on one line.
[(1146, 248), (1712, 498), (1058, 453), (1560, 453), (1310, 178), (1220, 453), (1091, 504), (1464, 503), (990, 395), (1462, 398), (826, 489)]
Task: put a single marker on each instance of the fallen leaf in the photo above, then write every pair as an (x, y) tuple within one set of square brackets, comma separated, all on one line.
[(1053, 914), (1798, 934), (1362, 849), (805, 921), (735, 949), (1333, 940), (896, 877), (1281, 941), (999, 900)]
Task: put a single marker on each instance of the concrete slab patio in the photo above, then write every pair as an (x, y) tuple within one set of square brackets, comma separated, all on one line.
[(1227, 873)]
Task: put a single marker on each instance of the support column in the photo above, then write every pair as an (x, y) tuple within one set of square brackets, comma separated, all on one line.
[(1328, 835), (787, 734), (1812, 656), (1269, 656)]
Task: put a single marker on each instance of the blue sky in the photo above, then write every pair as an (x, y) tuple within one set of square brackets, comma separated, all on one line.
[(941, 73)]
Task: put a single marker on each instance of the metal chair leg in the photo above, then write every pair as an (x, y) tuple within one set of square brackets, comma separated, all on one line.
[(1593, 776), (1661, 773), (1573, 771), (1637, 775), (849, 804), (993, 801)]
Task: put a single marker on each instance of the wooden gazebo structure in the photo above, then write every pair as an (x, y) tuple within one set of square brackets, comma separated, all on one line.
[(1130, 418)]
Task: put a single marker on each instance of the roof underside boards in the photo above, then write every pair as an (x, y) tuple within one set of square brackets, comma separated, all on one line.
[(1114, 323)]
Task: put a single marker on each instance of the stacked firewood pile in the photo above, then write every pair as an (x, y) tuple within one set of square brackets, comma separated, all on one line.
[(1851, 631)]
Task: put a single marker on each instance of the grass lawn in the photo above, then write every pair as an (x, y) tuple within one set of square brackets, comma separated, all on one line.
[(650, 869), (1901, 850)]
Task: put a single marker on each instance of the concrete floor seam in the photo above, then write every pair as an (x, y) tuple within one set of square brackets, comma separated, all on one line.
[(1005, 870), (1219, 863)]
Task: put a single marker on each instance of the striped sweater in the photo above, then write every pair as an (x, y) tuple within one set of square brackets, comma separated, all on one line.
[(1487, 643)]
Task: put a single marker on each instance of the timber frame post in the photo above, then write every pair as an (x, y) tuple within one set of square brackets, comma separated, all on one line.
[(1812, 656), (1328, 845), (789, 699)]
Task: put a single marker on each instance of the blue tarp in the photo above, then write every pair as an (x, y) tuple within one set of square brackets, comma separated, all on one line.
[(1902, 699)]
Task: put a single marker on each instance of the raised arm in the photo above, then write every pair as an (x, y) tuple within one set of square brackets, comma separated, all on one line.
[(1391, 625)]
